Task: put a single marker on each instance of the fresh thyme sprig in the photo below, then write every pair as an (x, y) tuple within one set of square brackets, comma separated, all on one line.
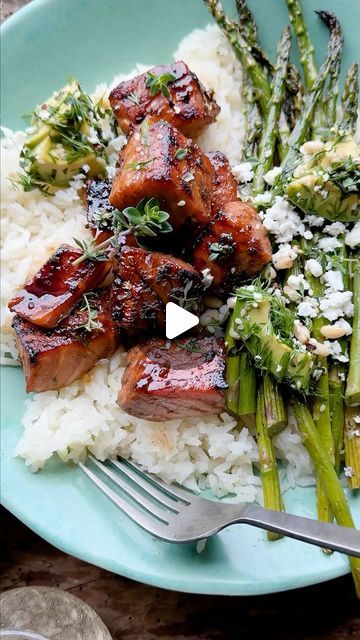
[(134, 97), (92, 322), (184, 300), (144, 220), (180, 153), (159, 84), (222, 249)]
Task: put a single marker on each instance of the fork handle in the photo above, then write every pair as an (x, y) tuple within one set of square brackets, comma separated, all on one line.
[(322, 534)]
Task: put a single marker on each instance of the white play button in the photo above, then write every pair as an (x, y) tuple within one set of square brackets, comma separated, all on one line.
[(178, 320)]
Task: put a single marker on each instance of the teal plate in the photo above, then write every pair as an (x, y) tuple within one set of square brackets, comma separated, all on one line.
[(93, 40)]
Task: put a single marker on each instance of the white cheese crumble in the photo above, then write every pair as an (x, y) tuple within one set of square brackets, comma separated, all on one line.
[(336, 305), (271, 175), (335, 351), (329, 244), (348, 472), (335, 228), (284, 258), (207, 278), (243, 172), (282, 221), (308, 308), (314, 221), (333, 281), (352, 238), (314, 267)]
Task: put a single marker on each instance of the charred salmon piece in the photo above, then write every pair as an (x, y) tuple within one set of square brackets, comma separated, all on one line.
[(58, 286), (100, 212), (224, 184), (160, 162), (234, 246), (164, 380), (189, 107), (144, 282), (55, 358)]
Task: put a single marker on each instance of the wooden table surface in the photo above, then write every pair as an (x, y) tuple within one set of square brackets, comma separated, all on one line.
[(137, 612)]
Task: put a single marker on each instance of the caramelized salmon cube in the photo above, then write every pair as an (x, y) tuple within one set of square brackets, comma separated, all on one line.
[(145, 282), (234, 246), (224, 184), (164, 380), (55, 358), (188, 106), (57, 287), (160, 162)]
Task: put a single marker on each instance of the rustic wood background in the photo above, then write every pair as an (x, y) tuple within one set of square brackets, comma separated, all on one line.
[(133, 611)]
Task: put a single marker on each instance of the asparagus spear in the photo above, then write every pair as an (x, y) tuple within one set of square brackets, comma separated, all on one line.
[(350, 99), (246, 408), (327, 475), (337, 410), (253, 123), (232, 367), (268, 467), (248, 28), (299, 133), (293, 96), (326, 113), (352, 447), (321, 408), (275, 409), (243, 52), (352, 393), (270, 128), (306, 49)]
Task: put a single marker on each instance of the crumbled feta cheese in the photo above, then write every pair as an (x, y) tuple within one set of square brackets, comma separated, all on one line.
[(93, 137), (243, 172), (344, 324), (86, 168), (207, 278), (298, 282), (356, 419), (314, 267), (336, 305), (314, 221), (328, 244), (282, 221), (352, 238), (333, 281), (308, 308), (335, 351), (322, 408), (284, 257), (335, 228), (271, 175), (181, 203), (348, 472)]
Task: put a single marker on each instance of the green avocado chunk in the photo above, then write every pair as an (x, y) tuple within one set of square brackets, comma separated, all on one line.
[(327, 181), (289, 364), (65, 137)]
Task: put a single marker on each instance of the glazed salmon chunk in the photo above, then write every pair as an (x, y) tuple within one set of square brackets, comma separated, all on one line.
[(167, 92), (164, 380), (224, 184), (57, 287), (160, 162), (234, 246), (144, 282), (54, 358)]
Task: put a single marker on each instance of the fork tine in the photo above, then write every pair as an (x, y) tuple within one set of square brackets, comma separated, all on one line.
[(148, 486), (172, 490), (139, 498), (151, 525)]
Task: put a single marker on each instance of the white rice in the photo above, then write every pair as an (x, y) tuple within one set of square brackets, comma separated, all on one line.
[(199, 453)]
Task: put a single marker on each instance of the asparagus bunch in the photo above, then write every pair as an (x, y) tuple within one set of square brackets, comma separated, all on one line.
[(350, 100)]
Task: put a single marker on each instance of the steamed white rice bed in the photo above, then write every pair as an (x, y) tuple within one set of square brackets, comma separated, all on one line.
[(199, 453)]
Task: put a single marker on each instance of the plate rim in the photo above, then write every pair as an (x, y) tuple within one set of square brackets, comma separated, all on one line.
[(147, 577)]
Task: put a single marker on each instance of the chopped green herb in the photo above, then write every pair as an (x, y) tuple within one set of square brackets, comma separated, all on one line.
[(180, 154), (137, 166), (134, 97), (92, 322), (159, 84)]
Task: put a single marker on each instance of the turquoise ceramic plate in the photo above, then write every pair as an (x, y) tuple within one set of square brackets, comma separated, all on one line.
[(94, 39)]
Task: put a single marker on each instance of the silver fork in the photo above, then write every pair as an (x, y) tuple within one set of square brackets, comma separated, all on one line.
[(176, 515)]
